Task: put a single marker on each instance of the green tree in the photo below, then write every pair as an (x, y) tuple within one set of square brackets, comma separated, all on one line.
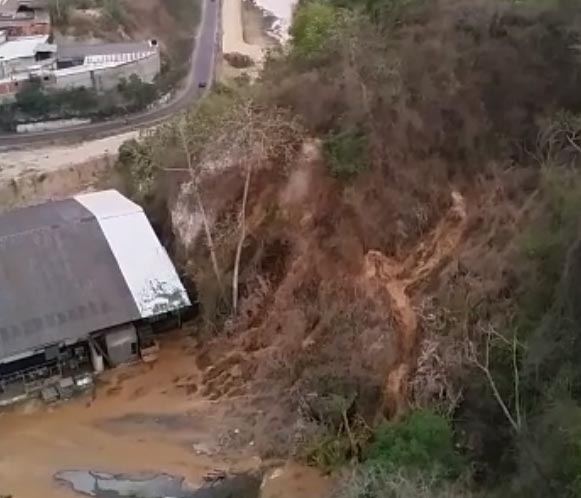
[(346, 153), (423, 442), (114, 12), (32, 100), (314, 25), (136, 92), (78, 100)]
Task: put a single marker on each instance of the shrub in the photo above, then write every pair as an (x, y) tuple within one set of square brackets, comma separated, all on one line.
[(326, 449), (346, 153), (187, 13), (135, 161), (137, 93), (114, 13), (329, 448), (424, 441), (545, 242), (314, 23), (31, 99), (60, 11), (374, 482)]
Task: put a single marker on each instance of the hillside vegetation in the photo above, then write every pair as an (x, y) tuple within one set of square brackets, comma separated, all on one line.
[(383, 233), (173, 23)]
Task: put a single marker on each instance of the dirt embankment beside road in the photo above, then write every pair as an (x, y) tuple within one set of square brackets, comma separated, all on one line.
[(32, 176), (244, 37)]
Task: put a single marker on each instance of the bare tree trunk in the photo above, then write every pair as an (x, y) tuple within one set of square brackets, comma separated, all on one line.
[(485, 368), (240, 241), (516, 421), (201, 209)]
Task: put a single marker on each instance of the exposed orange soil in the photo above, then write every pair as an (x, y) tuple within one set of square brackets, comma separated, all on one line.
[(391, 280)]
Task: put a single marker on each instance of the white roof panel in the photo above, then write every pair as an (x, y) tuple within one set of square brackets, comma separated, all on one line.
[(107, 203), (144, 263), (21, 47)]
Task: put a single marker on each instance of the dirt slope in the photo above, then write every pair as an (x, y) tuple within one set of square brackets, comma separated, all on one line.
[(319, 304)]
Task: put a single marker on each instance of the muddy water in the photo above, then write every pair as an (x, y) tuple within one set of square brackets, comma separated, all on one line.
[(105, 485), (143, 420)]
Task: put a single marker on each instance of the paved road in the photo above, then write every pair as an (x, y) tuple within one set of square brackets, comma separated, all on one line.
[(201, 70)]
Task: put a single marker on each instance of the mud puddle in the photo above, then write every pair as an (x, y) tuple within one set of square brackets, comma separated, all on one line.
[(105, 485)]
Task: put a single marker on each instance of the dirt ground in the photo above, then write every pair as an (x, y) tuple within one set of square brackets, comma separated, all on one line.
[(233, 39), (139, 419), (244, 31), (48, 172)]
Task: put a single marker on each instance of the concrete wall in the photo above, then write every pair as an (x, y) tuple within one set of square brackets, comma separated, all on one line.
[(7, 90), (55, 124), (17, 65), (147, 69), (71, 80), (121, 344), (108, 78)]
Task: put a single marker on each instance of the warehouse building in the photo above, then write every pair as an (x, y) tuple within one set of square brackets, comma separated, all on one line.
[(25, 53), (81, 282)]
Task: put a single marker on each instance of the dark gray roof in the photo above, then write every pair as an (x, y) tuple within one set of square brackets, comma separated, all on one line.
[(59, 279), (83, 50)]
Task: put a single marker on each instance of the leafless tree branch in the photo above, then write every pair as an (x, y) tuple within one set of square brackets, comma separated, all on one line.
[(485, 368), (201, 209)]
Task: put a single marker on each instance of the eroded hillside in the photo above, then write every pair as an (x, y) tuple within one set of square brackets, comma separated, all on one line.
[(384, 227)]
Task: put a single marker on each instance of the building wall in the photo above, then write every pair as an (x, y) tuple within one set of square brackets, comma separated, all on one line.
[(8, 89), (70, 80), (25, 28), (147, 69), (108, 78), (55, 124), (121, 344), (16, 65)]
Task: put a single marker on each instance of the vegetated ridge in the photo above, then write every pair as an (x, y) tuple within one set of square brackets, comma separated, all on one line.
[(383, 236)]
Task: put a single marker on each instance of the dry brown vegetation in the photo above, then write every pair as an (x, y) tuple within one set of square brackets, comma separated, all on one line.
[(380, 283), (173, 23)]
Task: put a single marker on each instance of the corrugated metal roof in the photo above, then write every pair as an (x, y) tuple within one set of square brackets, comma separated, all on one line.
[(21, 47), (59, 279), (73, 267), (144, 263)]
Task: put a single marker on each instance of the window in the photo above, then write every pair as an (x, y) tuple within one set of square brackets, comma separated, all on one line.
[(134, 348)]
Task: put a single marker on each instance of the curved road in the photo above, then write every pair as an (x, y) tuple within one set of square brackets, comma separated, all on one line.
[(201, 71)]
